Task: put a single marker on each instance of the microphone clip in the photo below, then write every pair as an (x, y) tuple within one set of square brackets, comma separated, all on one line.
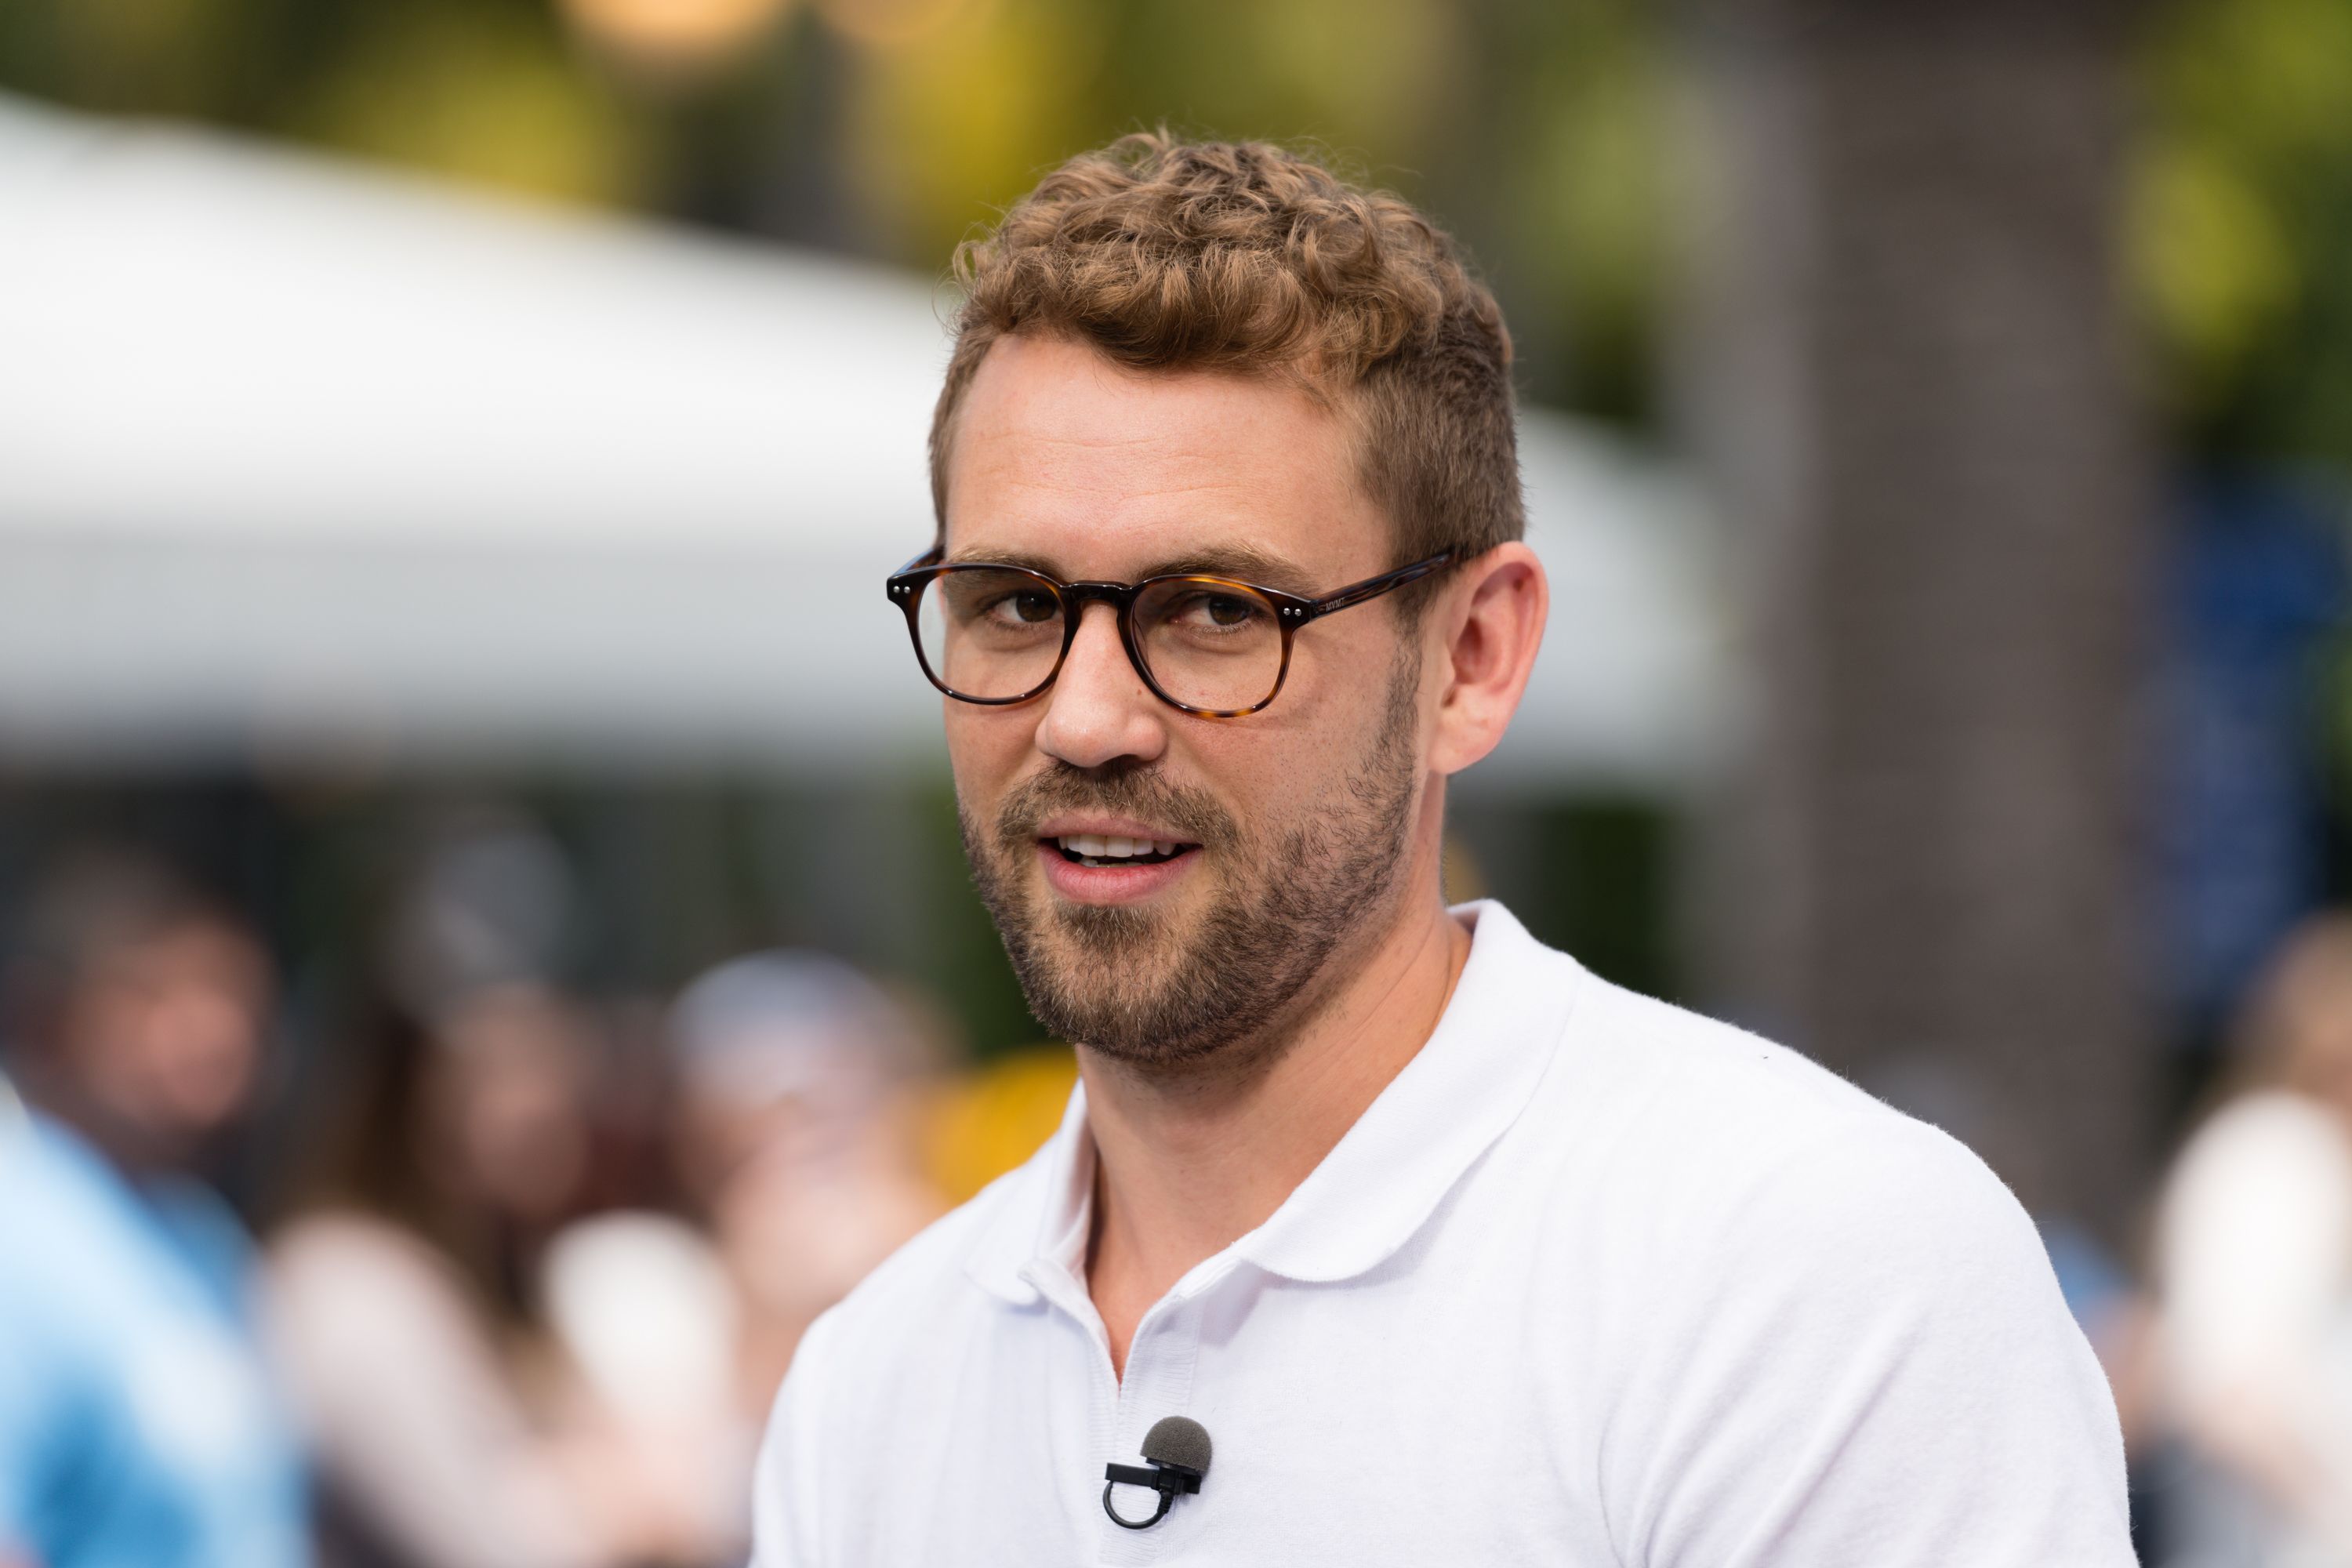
[(1169, 1480), (1177, 1450)]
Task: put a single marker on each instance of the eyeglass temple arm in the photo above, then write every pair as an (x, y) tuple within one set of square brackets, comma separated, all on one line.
[(1374, 587)]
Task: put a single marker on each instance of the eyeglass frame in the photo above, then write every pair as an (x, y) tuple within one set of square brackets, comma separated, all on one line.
[(1292, 611)]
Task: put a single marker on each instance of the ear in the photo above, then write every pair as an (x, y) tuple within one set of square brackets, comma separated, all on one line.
[(1489, 626)]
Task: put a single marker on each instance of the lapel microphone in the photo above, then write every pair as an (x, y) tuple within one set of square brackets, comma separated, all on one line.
[(1177, 1448)]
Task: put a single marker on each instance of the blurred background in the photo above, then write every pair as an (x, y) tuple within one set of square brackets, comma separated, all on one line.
[(464, 802)]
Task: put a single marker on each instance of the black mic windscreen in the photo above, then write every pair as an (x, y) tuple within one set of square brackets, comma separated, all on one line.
[(1178, 1440)]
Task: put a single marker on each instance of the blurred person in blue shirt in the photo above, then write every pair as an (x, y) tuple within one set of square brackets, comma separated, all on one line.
[(136, 1425)]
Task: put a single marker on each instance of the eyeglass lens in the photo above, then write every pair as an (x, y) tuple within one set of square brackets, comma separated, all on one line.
[(993, 634)]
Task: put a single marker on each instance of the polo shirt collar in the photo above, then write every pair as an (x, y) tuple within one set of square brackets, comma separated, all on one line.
[(1379, 1186)]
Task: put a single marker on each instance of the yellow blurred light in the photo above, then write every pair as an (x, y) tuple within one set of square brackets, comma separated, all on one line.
[(944, 125), (985, 1124), (674, 33)]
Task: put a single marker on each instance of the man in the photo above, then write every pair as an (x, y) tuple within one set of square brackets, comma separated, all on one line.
[(136, 1430), (1455, 1253)]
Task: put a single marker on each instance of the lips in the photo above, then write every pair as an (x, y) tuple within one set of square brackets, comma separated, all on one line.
[(1113, 869), (1112, 840), (1090, 852)]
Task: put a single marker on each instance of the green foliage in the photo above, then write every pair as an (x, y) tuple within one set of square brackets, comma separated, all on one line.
[(1593, 876), (2241, 212), (1534, 129), (476, 92)]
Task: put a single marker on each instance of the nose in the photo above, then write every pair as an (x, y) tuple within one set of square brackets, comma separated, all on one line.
[(1099, 711)]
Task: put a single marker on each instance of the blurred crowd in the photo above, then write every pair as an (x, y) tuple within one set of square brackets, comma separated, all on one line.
[(2252, 1272), (514, 1297), (518, 1297)]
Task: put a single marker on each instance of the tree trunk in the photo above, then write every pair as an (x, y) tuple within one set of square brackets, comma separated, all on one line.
[(1906, 367)]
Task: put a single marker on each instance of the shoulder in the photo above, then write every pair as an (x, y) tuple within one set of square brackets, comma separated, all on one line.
[(353, 1294), (2267, 1171), (2265, 1142), (1700, 1185), (48, 1179), (1808, 1302), (72, 1239), (49, 1281), (2254, 1240), (1725, 1131), (341, 1250), (1713, 1076)]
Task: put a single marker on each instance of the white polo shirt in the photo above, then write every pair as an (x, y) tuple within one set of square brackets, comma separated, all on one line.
[(1594, 1281)]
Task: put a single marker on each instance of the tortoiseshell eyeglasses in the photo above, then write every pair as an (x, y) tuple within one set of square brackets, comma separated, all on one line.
[(1211, 646)]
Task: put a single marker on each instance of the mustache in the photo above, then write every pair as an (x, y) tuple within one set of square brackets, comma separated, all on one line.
[(1194, 814)]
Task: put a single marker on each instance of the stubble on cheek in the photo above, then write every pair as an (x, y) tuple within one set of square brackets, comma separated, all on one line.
[(1168, 988), (1045, 934)]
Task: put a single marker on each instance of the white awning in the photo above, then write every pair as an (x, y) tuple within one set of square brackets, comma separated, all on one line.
[(304, 459)]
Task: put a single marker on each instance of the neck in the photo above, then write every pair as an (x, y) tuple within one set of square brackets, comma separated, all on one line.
[(1185, 1168), (61, 1098)]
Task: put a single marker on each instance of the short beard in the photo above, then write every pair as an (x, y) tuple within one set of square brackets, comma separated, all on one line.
[(1107, 978)]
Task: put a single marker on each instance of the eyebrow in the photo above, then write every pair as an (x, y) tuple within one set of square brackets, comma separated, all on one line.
[(1245, 562)]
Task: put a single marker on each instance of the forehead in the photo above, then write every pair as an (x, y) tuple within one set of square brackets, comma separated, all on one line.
[(1060, 454)]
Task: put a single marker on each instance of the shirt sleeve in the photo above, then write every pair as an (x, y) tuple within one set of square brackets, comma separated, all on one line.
[(36, 1412), (1870, 1363), (784, 1483), (18, 1458)]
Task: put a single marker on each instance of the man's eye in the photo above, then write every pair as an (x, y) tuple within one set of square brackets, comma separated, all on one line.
[(1216, 612), (1027, 607), (1227, 611)]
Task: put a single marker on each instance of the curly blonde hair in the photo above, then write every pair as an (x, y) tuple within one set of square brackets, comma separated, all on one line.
[(1165, 254)]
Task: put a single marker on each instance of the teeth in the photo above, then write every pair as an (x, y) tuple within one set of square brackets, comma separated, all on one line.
[(1110, 846)]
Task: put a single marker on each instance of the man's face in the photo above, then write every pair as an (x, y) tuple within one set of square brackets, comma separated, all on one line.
[(1290, 825), (167, 1033)]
